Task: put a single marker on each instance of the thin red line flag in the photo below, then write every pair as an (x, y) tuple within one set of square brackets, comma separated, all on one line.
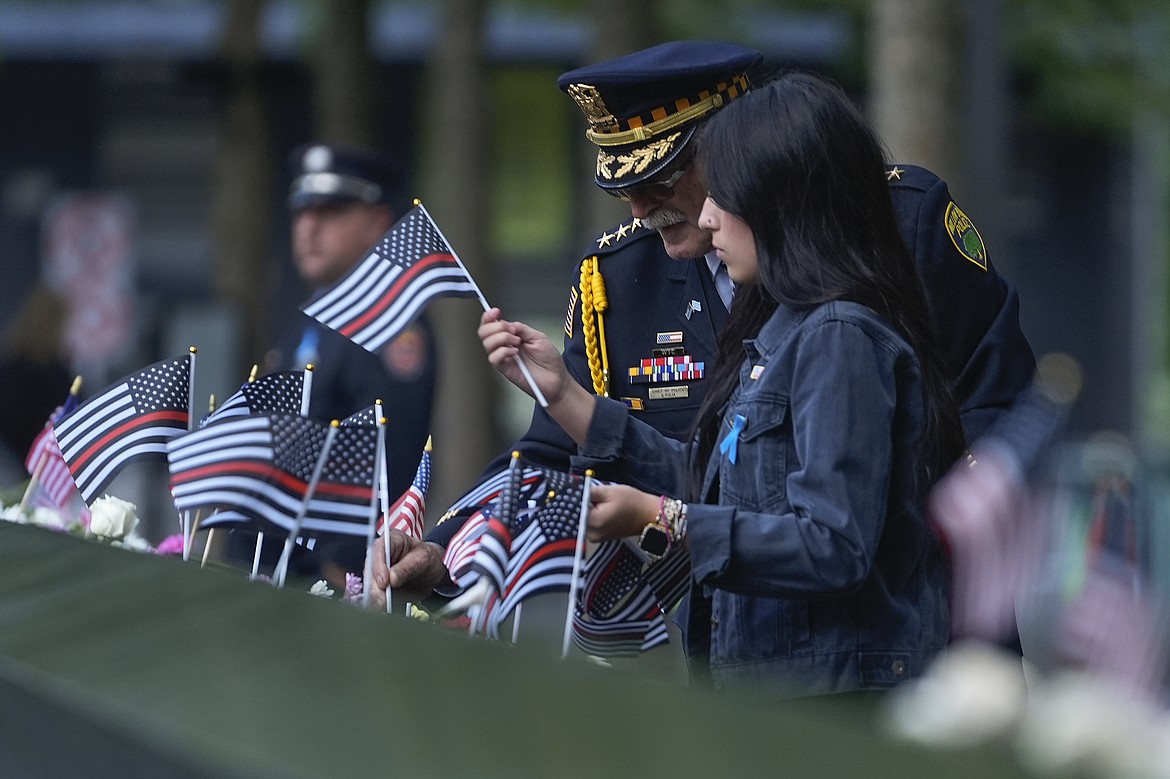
[(261, 466), (130, 420), (386, 291)]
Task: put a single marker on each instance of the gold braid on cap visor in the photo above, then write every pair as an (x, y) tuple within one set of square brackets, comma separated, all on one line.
[(661, 123)]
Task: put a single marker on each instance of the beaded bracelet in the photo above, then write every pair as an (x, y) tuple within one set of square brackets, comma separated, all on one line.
[(672, 515)]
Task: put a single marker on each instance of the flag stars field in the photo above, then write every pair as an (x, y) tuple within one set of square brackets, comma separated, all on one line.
[(161, 386)]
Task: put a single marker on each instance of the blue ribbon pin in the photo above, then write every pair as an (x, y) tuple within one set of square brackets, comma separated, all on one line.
[(730, 443)]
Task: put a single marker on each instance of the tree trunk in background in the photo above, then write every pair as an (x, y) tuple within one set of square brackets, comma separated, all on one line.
[(344, 76), (241, 197), (638, 29), (914, 98), (455, 176)]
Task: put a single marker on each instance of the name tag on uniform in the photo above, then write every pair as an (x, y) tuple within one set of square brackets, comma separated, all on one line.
[(757, 372), (669, 393), (674, 337)]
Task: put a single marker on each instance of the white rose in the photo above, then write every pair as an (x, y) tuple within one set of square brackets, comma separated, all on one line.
[(321, 588), (111, 517), (13, 514)]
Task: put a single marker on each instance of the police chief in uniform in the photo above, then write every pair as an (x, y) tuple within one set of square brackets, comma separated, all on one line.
[(342, 201), (647, 300)]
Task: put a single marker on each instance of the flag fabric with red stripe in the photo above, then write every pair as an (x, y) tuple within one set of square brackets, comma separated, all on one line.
[(622, 604), (44, 463), (261, 466), (130, 420), (544, 539), (386, 291), (461, 550), (613, 616), (407, 514)]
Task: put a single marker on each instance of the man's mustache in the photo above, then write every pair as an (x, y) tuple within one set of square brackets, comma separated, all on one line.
[(663, 217)]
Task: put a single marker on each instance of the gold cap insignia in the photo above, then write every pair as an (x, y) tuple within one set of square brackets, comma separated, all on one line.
[(600, 118)]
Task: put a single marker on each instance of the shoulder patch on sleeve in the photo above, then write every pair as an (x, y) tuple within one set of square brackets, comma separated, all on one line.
[(964, 236), (569, 313), (405, 357)]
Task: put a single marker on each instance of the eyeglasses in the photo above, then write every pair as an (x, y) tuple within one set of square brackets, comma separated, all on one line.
[(659, 190)]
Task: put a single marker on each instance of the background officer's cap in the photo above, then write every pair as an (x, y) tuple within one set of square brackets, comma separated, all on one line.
[(336, 174), (644, 108)]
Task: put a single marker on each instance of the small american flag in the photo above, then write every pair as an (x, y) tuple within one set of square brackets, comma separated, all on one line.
[(544, 541), (131, 420), (488, 491), (495, 543), (408, 511), (276, 393), (367, 417), (261, 465), (613, 616), (622, 604), (383, 294), (461, 550), (45, 463)]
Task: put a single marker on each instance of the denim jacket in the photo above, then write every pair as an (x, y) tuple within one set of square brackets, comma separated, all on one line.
[(814, 568)]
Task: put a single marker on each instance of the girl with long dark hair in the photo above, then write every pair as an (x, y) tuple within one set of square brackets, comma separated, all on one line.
[(801, 498)]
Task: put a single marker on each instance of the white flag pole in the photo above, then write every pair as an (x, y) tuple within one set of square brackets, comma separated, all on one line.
[(377, 506), (256, 556), (191, 423), (516, 612), (189, 545), (306, 389), (578, 558), (207, 542), (259, 547), (286, 554), (384, 490), (483, 302)]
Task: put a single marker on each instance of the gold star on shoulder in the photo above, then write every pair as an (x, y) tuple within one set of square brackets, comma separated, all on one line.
[(894, 174), (634, 225), (604, 240), (621, 231)]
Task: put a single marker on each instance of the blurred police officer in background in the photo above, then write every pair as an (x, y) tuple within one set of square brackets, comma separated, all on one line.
[(342, 200), (652, 288)]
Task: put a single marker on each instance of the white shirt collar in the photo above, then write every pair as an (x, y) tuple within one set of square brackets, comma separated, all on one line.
[(712, 262)]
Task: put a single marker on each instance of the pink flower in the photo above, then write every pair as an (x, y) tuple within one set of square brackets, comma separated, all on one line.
[(171, 545), (353, 588)]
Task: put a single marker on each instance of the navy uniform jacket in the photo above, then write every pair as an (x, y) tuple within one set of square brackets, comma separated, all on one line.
[(347, 378), (976, 312)]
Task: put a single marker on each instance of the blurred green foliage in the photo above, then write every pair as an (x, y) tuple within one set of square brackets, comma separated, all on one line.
[(532, 181), (1090, 63)]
